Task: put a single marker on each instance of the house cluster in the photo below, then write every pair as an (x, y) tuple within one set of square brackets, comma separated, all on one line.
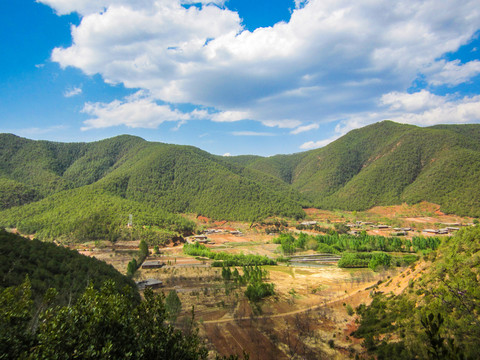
[(442, 231)]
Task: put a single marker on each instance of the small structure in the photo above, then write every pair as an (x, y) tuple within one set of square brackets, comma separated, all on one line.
[(236, 232), (149, 283), (430, 231), (152, 264), (200, 237), (451, 229), (308, 223)]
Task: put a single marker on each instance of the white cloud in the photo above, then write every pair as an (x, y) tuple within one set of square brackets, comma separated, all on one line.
[(421, 108), (135, 111), (72, 92), (305, 128), (251, 133), (444, 110), (414, 102), (227, 154), (230, 116), (454, 73), (309, 145), (332, 60)]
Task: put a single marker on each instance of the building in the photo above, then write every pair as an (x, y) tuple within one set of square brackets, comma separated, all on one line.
[(149, 283), (152, 264)]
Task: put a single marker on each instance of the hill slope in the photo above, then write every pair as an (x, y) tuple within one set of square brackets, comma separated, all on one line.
[(436, 316), (382, 164), (388, 163), (67, 184), (49, 266)]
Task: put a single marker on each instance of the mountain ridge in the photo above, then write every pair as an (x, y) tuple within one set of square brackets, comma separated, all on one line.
[(384, 163)]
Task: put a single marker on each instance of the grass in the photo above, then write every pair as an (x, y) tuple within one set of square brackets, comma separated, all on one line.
[(285, 269)]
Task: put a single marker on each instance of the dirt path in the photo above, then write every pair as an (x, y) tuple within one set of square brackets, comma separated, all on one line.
[(289, 313)]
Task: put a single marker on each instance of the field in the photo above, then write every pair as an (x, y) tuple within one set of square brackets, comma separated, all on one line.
[(310, 316)]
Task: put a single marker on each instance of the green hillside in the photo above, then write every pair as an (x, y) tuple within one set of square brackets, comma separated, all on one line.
[(86, 191), (62, 189), (49, 266), (436, 316), (388, 163)]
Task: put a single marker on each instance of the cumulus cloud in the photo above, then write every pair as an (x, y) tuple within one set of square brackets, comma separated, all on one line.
[(72, 92), (332, 60), (434, 110), (138, 110), (454, 73), (421, 108)]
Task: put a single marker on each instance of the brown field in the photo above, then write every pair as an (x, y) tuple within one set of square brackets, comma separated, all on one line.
[(307, 317)]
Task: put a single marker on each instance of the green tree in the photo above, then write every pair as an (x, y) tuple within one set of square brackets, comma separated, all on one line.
[(173, 305)]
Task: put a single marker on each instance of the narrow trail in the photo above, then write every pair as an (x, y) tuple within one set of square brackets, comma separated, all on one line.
[(289, 313), (400, 276)]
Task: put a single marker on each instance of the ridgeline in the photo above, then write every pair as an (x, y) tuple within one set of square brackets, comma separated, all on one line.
[(62, 189)]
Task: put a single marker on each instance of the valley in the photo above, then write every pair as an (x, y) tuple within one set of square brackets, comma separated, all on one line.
[(359, 249), (311, 314)]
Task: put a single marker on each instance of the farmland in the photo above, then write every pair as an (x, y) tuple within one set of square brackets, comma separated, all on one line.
[(311, 313)]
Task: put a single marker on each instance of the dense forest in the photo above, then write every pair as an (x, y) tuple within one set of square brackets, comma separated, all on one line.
[(385, 164), (43, 184), (49, 266), (436, 316)]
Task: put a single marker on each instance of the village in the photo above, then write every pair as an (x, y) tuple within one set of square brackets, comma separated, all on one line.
[(312, 311)]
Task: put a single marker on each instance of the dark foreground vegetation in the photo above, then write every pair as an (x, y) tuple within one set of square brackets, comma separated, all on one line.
[(49, 266), (58, 304), (101, 324), (438, 315)]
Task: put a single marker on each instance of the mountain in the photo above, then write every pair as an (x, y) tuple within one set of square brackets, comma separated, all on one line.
[(56, 189), (387, 163)]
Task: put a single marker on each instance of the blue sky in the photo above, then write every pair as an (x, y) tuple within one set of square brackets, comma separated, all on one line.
[(238, 76)]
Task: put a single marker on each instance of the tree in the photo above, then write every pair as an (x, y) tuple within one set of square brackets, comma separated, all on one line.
[(101, 324), (173, 305)]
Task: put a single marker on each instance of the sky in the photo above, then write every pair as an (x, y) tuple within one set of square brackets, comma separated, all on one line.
[(235, 77)]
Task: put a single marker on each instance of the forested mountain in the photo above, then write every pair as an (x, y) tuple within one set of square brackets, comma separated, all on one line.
[(47, 186), (86, 191), (388, 163)]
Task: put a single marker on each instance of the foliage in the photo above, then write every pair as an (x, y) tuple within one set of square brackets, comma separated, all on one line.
[(253, 277), (438, 315), (132, 267), (387, 163), (225, 259), (173, 305), (374, 260), (51, 266), (14, 193), (335, 242), (88, 213), (101, 324)]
